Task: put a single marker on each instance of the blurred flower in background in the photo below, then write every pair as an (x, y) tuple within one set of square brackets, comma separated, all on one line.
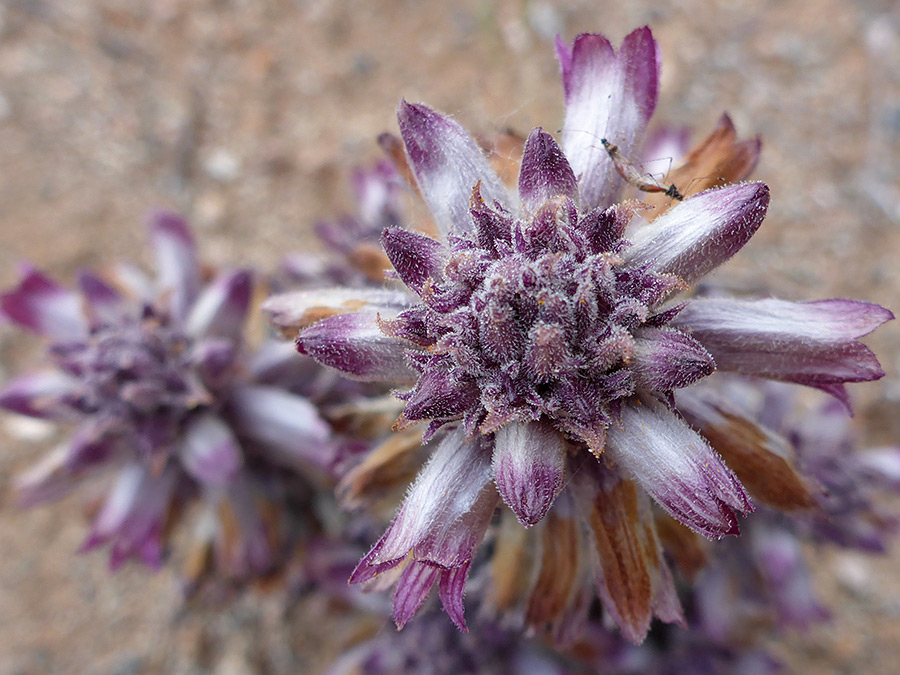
[(166, 398)]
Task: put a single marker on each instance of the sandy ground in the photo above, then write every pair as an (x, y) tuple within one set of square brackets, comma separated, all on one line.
[(245, 116)]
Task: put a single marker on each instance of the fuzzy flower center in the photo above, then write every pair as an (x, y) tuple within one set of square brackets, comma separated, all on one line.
[(540, 317), (134, 374)]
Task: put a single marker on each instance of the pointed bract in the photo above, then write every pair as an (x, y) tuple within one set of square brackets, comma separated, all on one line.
[(356, 346), (677, 467), (694, 237), (810, 343), (608, 95), (666, 359), (414, 256), (545, 172), (529, 463), (439, 395), (447, 164)]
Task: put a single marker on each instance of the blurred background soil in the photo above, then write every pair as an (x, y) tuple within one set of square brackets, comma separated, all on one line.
[(246, 114)]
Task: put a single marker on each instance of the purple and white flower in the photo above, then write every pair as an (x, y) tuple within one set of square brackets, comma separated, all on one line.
[(162, 391), (544, 326)]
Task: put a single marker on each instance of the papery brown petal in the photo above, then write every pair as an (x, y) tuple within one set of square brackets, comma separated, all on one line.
[(717, 160), (559, 568), (511, 563), (624, 557), (685, 546), (370, 260), (295, 310), (197, 564), (394, 462), (633, 579), (761, 460)]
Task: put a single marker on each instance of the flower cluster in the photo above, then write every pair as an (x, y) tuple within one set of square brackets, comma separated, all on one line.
[(572, 421), (156, 379), (546, 335)]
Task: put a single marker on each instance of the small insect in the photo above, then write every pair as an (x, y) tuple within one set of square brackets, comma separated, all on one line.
[(642, 181)]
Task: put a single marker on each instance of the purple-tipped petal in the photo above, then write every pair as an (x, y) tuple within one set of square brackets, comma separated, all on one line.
[(377, 190), (697, 235), (451, 588), (545, 172), (40, 304), (117, 506), (354, 345), (214, 361), (176, 261), (639, 59), (666, 359), (209, 450), (290, 312), (414, 256), (810, 343), (221, 309), (443, 497), (412, 590), (38, 395), (287, 427), (447, 164), (529, 463), (58, 471), (677, 467), (133, 517), (608, 95)]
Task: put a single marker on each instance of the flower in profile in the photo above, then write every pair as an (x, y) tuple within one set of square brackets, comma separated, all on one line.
[(544, 336), (161, 389)]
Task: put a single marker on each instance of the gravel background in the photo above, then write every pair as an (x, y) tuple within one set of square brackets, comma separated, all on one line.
[(245, 115)]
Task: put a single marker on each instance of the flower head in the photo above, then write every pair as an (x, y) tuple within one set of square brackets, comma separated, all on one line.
[(544, 330), (156, 378)]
